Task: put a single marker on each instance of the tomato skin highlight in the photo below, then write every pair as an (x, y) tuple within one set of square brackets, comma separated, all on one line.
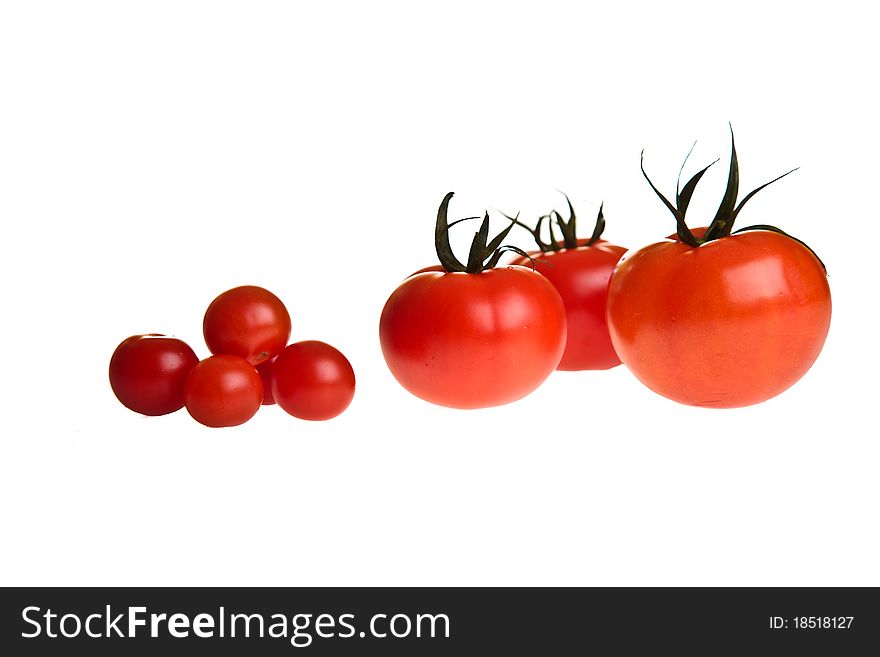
[(147, 373), (247, 321), (581, 277), (473, 340), (312, 380), (223, 391), (730, 323)]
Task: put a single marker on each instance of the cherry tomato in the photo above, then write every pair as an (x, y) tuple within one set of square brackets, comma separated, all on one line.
[(312, 380), (579, 270), (264, 369), (718, 318), (249, 322), (471, 336), (223, 391), (147, 373)]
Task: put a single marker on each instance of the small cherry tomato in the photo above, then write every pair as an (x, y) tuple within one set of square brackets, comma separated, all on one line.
[(147, 373), (312, 380), (223, 391), (264, 369), (249, 322)]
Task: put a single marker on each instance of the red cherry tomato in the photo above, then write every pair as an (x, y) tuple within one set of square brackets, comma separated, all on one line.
[(312, 380), (223, 391), (147, 373), (264, 369), (249, 322), (719, 318), (473, 340)]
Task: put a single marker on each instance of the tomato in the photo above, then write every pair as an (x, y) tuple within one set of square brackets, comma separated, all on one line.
[(719, 318), (472, 336), (312, 380), (223, 391), (581, 277), (147, 373), (264, 369), (249, 322), (579, 269)]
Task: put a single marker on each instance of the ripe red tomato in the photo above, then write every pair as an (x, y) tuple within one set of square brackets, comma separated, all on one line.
[(718, 318), (249, 322), (581, 277), (730, 323), (223, 391), (147, 373), (312, 380), (579, 270), (264, 369), (472, 336)]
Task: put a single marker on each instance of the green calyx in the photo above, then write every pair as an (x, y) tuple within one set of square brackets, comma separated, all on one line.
[(728, 210), (568, 228), (484, 253)]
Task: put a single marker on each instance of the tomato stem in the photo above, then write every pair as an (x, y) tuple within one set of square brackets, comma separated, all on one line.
[(551, 219), (484, 254), (599, 228), (568, 228), (441, 238), (684, 233), (535, 232), (722, 222)]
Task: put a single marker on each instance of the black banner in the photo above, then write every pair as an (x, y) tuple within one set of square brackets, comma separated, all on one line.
[(438, 621)]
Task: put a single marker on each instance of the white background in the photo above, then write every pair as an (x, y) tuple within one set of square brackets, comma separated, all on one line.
[(155, 154)]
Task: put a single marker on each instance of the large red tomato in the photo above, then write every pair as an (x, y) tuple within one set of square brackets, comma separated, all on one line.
[(249, 322), (579, 270), (472, 336), (719, 318), (147, 373)]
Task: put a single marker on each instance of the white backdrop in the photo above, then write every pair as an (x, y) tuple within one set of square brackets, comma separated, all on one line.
[(155, 154)]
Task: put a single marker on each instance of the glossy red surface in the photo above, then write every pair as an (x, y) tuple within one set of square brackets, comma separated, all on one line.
[(730, 323)]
